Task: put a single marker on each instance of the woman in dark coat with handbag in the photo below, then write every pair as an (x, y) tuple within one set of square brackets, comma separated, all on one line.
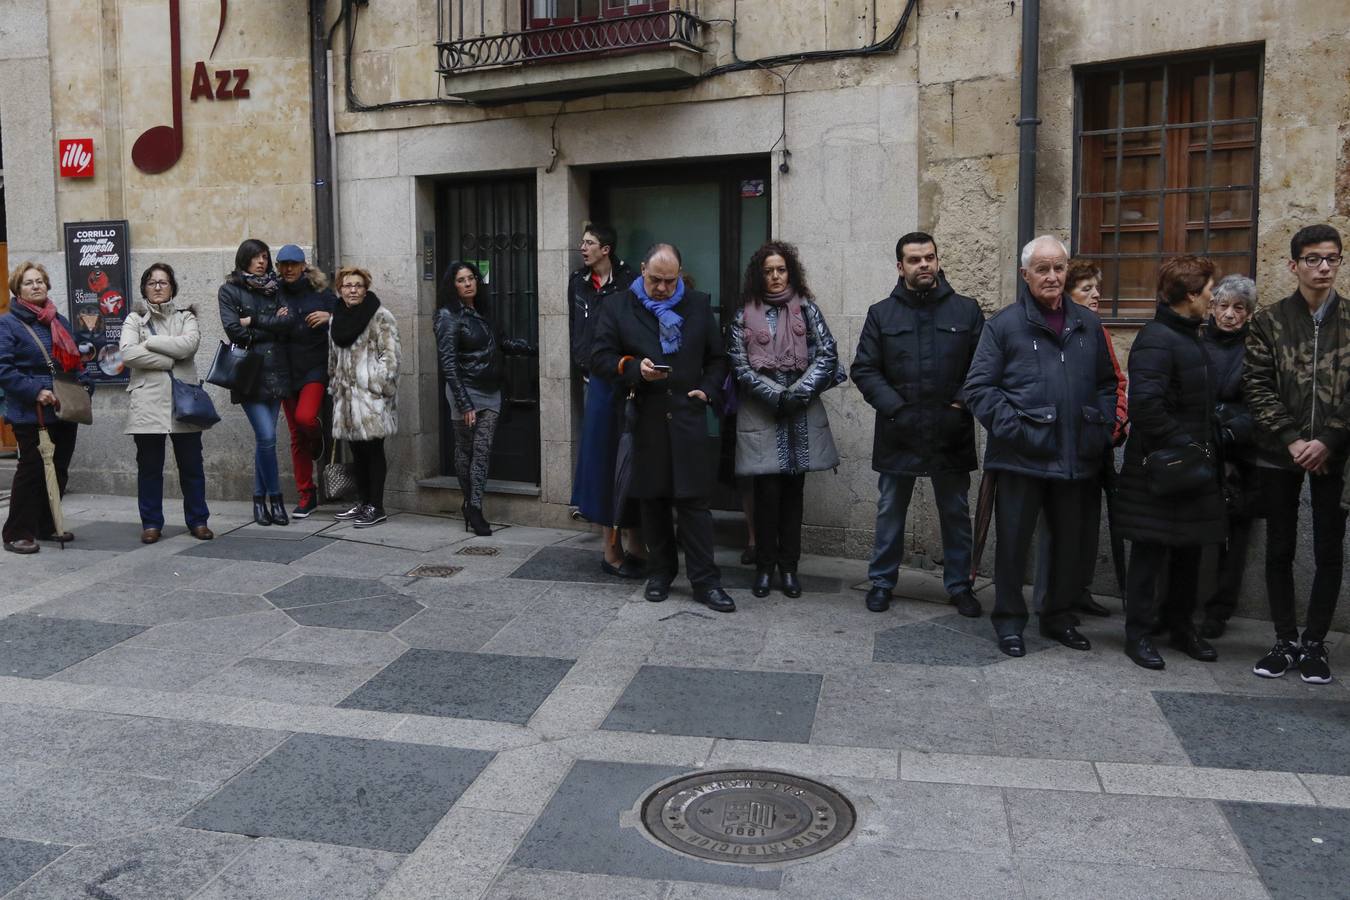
[(783, 357), (1171, 404), (255, 316)]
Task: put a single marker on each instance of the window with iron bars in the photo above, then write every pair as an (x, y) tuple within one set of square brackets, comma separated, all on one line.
[(1165, 164)]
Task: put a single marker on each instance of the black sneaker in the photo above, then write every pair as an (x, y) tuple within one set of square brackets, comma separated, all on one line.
[(352, 513), (304, 508), (371, 515), (1313, 667), (1281, 658)]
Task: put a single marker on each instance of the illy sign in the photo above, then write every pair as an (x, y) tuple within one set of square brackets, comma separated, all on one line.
[(77, 158)]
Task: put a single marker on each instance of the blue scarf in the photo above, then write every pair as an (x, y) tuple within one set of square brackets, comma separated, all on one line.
[(670, 321)]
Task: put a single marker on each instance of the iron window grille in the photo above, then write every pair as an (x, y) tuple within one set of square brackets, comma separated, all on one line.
[(1165, 163)]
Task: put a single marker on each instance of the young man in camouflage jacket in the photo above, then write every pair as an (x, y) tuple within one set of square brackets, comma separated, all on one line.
[(1296, 378)]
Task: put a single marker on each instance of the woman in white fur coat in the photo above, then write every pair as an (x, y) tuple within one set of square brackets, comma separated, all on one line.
[(363, 363)]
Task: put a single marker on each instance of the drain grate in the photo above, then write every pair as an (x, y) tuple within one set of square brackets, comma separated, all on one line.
[(434, 571), (477, 551), (747, 816)]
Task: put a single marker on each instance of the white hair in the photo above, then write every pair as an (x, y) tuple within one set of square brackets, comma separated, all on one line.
[(1030, 248)]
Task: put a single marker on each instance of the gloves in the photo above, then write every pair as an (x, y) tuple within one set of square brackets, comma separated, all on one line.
[(791, 404)]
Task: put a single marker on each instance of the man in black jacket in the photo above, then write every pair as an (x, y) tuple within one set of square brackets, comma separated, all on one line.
[(1043, 386), (599, 276), (913, 353), (664, 343)]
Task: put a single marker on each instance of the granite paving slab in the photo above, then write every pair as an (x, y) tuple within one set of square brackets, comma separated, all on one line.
[(147, 605), (559, 623), (462, 685), (581, 830), (1217, 730), (380, 795), (113, 537), (308, 590), (384, 613), (1300, 852), (405, 531), (178, 750), (249, 577), (1059, 880), (21, 860), (449, 628), (161, 864), (739, 578), (54, 562), (859, 871), (1113, 726), (173, 572), (33, 647), (240, 634), (286, 681), (271, 869), (362, 561), (959, 818), (336, 646), (148, 668), (566, 564), (756, 706), (256, 549), (907, 707), (926, 643)]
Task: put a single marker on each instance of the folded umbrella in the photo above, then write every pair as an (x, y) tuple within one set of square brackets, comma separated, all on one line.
[(624, 457), (984, 513), (47, 450)]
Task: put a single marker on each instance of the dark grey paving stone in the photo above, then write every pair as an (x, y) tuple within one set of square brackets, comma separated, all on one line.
[(926, 644), (308, 590), (980, 628), (164, 863), (462, 685), (381, 795), (256, 549), (20, 860), (145, 605), (566, 564), (724, 703), (739, 578), (33, 647), (369, 614), (272, 869), (580, 831), (116, 537), (1299, 851), (1218, 730)]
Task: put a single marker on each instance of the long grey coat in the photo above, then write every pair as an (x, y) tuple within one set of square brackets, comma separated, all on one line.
[(151, 357), (767, 444), (363, 380)]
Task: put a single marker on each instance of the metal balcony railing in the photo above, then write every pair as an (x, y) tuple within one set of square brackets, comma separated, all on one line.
[(478, 34)]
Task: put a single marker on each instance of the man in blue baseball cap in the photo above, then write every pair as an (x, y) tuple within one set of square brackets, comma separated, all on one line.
[(311, 303)]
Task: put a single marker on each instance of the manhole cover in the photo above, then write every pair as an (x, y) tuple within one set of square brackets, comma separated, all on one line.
[(434, 571), (477, 551), (747, 816)]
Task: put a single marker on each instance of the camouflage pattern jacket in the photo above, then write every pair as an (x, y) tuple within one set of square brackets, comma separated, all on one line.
[(1296, 378)]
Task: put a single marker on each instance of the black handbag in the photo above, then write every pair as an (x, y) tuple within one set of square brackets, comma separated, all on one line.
[(1179, 470), (236, 368), (191, 403)]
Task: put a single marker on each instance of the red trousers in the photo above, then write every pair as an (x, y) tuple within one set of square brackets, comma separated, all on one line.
[(302, 418)]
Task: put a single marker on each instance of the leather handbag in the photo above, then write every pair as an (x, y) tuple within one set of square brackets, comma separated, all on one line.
[(1179, 470), (339, 478), (236, 368), (72, 399), (191, 403)]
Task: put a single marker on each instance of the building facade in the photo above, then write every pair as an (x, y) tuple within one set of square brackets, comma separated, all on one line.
[(493, 131)]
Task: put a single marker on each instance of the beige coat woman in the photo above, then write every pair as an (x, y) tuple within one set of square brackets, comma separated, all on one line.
[(151, 357), (363, 381)]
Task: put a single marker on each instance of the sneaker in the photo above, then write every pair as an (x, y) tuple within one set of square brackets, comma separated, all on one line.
[(1312, 663), (372, 515), (1279, 660), (351, 513), (306, 506)]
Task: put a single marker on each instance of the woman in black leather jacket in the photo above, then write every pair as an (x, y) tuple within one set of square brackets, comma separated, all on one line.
[(254, 315), (471, 363)]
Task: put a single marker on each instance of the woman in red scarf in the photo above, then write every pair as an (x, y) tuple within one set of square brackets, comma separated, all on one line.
[(32, 333)]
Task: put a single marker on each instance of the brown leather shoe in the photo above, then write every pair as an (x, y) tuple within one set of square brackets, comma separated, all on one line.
[(150, 536), (202, 533), (23, 545)]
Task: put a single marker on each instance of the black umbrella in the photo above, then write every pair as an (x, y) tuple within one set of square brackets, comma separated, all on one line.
[(1109, 480), (984, 512), (623, 458)]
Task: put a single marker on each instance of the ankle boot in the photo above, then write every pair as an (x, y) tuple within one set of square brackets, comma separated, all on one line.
[(475, 520), (763, 579), (279, 510), (260, 512)]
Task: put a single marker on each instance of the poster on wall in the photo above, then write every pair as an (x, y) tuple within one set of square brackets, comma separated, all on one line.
[(100, 294)]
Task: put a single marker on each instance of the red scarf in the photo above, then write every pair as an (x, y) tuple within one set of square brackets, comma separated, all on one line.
[(64, 351)]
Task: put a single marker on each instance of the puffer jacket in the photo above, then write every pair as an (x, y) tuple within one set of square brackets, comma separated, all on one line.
[(1296, 376), (913, 355), (768, 443), (23, 367), (309, 346), (152, 358), (1236, 428), (1047, 400), (363, 380), (267, 334), (583, 308), (1172, 398)]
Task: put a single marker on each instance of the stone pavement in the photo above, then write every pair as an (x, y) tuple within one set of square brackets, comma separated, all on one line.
[(297, 712)]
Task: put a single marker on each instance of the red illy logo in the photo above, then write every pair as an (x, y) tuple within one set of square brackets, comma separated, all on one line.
[(77, 158)]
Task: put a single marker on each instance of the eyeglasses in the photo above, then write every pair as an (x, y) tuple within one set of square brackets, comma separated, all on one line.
[(156, 284), (590, 243), (1314, 261)]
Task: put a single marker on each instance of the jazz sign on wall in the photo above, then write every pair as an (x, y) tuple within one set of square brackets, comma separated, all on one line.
[(159, 147)]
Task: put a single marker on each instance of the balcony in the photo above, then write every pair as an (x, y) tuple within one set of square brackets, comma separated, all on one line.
[(511, 50)]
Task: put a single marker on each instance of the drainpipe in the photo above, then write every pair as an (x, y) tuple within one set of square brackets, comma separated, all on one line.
[(1027, 122), (324, 253)]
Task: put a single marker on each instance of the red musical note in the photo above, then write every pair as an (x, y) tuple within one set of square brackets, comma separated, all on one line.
[(158, 148)]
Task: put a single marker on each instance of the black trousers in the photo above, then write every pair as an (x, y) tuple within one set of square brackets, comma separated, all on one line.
[(1018, 501), (1182, 570), (370, 470), (30, 515), (696, 533), (778, 520), (1280, 492), (1232, 560)]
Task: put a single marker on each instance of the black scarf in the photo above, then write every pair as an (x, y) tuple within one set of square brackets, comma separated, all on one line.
[(265, 284), (350, 321)]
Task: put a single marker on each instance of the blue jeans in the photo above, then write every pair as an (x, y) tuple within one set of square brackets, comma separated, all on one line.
[(262, 415), (187, 453), (951, 490)]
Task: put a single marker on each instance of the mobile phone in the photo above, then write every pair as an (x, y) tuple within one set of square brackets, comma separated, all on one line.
[(660, 368)]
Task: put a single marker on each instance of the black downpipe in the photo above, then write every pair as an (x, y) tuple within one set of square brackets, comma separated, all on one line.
[(1027, 122), (323, 149)]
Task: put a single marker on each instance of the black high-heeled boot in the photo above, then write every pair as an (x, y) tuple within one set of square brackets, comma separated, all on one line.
[(476, 522), (279, 510), (260, 512)]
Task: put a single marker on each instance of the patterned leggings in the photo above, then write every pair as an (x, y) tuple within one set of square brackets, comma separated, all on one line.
[(473, 448)]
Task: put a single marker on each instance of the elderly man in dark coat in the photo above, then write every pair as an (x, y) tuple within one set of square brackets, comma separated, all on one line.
[(1043, 386), (662, 342)]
